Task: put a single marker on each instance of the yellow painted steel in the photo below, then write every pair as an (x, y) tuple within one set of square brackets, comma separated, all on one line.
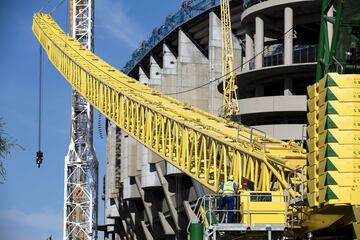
[(339, 80), (339, 136), (257, 210), (339, 108), (205, 147), (351, 165), (339, 195), (339, 94), (334, 140), (230, 102)]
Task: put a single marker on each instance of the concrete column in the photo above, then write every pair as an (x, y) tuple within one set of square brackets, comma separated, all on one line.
[(169, 62), (130, 190), (147, 205), (143, 78), (149, 177), (165, 185), (192, 71), (288, 35), (241, 57), (288, 46), (155, 73), (215, 63), (288, 86), (134, 160), (249, 51), (112, 177), (111, 188), (259, 42), (169, 71)]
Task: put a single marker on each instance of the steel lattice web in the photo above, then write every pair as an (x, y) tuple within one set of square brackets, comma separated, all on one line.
[(81, 167)]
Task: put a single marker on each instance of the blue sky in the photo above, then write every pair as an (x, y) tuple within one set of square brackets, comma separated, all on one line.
[(31, 200)]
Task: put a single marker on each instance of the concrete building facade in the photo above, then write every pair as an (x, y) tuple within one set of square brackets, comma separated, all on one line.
[(275, 58)]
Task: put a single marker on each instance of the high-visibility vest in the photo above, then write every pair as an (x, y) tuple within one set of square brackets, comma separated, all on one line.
[(229, 188)]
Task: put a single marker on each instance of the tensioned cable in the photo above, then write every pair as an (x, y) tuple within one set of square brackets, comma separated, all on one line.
[(47, 4), (39, 153), (44, 6), (56, 7), (41, 73)]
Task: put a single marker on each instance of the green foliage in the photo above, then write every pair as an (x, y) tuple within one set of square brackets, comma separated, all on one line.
[(6, 144)]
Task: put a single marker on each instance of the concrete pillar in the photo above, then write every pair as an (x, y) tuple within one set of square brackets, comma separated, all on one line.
[(288, 35), (169, 71), (215, 63), (110, 179), (155, 73), (134, 160), (192, 71), (249, 51), (130, 190), (110, 157), (165, 186), (169, 63), (288, 46), (259, 42), (288, 86), (143, 78), (112, 176), (149, 177), (241, 57)]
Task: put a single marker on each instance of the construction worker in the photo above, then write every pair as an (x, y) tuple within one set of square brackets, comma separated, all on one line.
[(228, 189)]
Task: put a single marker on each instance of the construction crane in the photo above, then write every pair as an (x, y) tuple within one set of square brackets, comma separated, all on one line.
[(185, 136), (81, 165), (230, 102), (209, 148)]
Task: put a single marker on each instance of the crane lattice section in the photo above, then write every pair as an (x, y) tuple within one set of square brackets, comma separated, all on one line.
[(205, 147)]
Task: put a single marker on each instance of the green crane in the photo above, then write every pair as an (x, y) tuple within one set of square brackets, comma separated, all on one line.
[(340, 51)]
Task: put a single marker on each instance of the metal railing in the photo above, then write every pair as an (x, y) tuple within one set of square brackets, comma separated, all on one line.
[(297, 182), (303, 54), (208, 213)]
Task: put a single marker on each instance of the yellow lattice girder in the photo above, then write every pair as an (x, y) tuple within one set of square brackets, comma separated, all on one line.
[(205, 147), (230, 102)]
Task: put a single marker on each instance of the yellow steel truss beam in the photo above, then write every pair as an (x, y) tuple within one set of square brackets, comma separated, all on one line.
[(205, 147), (230, 102)]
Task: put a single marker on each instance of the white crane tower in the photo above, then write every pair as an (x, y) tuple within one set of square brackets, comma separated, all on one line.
[(81, 165)]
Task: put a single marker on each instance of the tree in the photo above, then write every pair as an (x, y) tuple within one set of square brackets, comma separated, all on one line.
[(6, 144)]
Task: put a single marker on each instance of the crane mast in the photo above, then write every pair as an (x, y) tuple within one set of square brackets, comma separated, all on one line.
[(230, 103), (81, 165)]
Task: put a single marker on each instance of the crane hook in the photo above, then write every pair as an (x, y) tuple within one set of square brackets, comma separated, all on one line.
[(39, 158)]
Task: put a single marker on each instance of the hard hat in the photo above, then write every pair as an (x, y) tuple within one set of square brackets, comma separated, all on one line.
[(231, 178)]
